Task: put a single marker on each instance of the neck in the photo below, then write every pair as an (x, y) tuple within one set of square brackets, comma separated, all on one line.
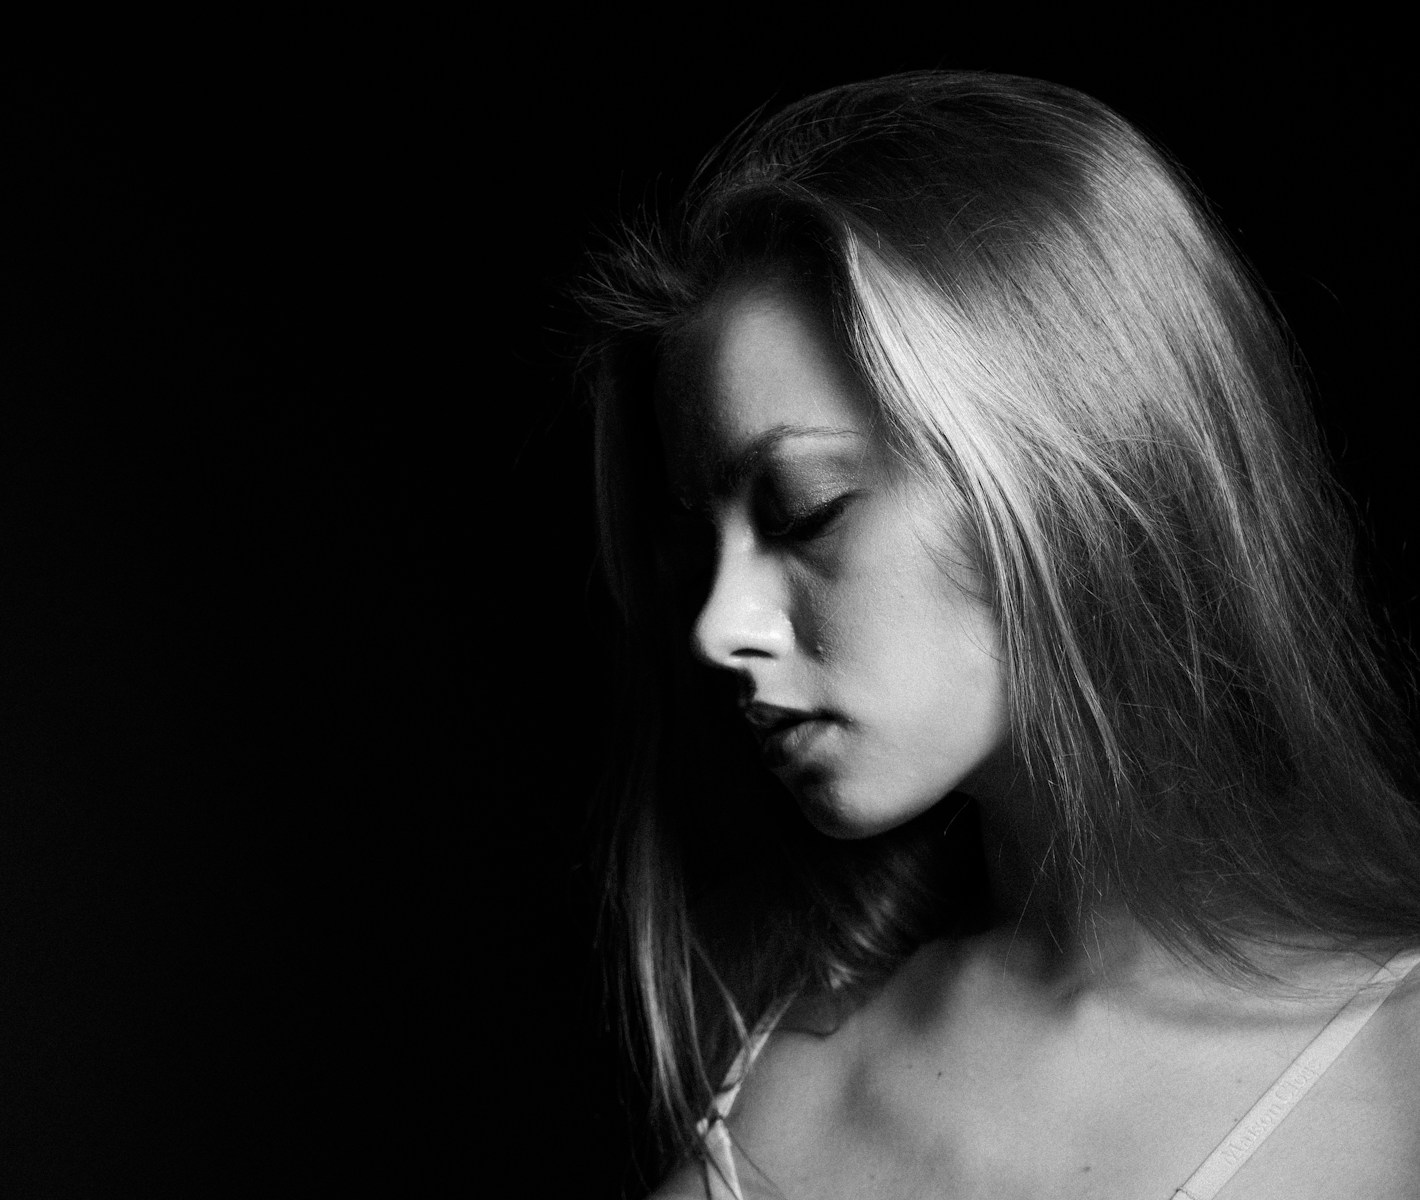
[(1097, 946), (1015, 842), (1095, 940), (1063, 938)]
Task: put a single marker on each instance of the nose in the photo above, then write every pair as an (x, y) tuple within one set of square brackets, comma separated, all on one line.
[(746, 616)]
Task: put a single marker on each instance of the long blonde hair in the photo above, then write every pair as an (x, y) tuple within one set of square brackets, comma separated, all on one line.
[(1059, 339)]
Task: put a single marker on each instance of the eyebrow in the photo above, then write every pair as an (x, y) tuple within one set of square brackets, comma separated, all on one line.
[(729, 476)]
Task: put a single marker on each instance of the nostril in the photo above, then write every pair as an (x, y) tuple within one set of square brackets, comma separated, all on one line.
[(744, 616)]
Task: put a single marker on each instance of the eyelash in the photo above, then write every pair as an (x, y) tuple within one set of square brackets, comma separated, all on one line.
[(811, 525), (690, 538)]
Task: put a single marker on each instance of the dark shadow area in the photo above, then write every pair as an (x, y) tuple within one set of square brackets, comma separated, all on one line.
[(234, 604)]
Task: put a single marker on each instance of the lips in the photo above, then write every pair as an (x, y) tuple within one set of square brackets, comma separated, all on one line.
[(786, 734)]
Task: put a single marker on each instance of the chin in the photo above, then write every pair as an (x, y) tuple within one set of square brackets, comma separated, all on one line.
[(844, 817), (835, 824)]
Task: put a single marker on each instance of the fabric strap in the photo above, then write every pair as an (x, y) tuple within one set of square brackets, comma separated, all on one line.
[(1279, 1100), (722, 1181)]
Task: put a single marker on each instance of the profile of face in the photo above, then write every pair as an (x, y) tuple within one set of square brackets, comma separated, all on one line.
[(865, 648)]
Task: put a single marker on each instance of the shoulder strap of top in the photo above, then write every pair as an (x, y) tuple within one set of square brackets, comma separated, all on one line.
[(722, 1181), (739, 1070), (1279, 1100)]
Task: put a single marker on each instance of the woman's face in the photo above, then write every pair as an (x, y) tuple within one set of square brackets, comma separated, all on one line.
[(866, 653)]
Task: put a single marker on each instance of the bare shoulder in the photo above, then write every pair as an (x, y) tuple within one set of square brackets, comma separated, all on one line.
[(1358, 1132), (778, 1104), (783, 1101), (799, 1089), (795, 1073), (1395, 1044)]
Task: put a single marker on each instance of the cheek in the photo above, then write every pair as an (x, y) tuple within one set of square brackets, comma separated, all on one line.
[(948, 678), (933, 651), (881, 639), (826, 613), (888, 619), (981, 694)]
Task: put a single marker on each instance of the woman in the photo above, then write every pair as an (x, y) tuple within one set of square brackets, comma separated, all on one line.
[(954, 438)]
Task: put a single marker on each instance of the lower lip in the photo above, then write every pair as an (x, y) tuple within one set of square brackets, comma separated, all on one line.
[(794, 742)]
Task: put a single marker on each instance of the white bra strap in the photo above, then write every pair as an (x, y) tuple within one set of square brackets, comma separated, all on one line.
[(739, 1071), (722, 1178), (722, 1181), (1279, 1100)]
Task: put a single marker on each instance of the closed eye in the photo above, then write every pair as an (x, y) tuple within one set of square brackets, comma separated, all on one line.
[(815, 523)]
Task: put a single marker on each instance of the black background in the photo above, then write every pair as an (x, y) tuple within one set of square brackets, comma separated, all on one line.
[(300, 689)]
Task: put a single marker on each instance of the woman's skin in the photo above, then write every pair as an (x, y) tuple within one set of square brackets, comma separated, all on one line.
[(834, 594), (1018, 1063)]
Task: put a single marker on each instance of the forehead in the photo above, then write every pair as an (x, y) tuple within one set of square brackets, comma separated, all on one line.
[(759, 360)]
